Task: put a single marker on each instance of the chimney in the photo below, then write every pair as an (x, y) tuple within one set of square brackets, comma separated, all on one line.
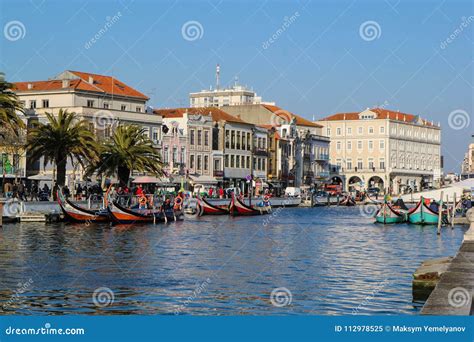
[(65, 83), (91, 80), (30, 86)]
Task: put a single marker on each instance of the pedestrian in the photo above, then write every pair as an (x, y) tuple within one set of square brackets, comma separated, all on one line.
[(221, 192), (34, 192), (210, 192), (21, 191)]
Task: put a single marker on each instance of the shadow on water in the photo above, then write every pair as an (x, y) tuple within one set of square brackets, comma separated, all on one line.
[(330, 260)]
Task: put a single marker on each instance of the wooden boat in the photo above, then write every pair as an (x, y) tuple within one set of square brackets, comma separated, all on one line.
[(422, 214), (206, 208), (387, 214), (122, 215), (75, 213), (238, 208), (347, 201)]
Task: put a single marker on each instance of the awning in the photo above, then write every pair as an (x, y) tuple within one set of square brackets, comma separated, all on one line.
[(41, 177), (204, 180), (146, 180)]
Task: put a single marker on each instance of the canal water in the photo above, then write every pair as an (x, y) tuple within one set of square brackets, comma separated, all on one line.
[(323, 261)]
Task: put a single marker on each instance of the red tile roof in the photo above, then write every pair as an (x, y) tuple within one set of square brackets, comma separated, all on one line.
[(284, 113), (381, 114), (101, 84), (216, 113)]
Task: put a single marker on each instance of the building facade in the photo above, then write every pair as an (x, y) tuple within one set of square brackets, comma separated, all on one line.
[(467, 169), (103, 100), (379, 148)]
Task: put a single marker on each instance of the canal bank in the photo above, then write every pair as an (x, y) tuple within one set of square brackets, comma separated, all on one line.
[(454, 291)]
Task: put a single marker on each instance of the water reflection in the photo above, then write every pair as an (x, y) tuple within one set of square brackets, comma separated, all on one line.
[(331, 259)]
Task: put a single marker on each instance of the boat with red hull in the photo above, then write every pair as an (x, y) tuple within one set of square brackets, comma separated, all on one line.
[(238, 208), (206, 208), (122, 215), (76, 213)]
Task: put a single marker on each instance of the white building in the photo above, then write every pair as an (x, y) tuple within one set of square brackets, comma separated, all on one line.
[(393, 151), (104, 100)]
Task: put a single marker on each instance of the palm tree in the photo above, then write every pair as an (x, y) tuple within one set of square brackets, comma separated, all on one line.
[(9, 106), (63, 137), (128, 150)]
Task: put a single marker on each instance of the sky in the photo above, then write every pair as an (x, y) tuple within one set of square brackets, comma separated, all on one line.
[(313, 58)]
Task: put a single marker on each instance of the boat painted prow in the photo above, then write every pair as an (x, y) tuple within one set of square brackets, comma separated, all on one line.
[(238, 208), (387, 214), (206, 208), (122, 215), (75, 213), (422, 214)]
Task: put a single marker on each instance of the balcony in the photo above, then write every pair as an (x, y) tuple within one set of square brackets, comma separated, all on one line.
[(321, 157), (218, 173), (260, 152), (322, 174)]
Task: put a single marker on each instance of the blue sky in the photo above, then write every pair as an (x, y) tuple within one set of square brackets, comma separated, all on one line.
[(320, 64)]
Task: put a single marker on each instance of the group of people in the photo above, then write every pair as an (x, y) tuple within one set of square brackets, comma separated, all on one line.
[(23, 192)]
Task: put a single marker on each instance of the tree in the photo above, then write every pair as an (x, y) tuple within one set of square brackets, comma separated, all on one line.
[(10, 105), (128, 150), (63, 137)]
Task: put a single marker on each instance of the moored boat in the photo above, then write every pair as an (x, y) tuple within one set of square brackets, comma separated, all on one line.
[(206, 208), (387, 214), (238, 208), (423, 214), (122, 215), (347, 201), (76, 213)]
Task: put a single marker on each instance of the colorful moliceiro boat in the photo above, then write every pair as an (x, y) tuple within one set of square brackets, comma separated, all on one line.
[(387, 215), (238, 208), (206, 208), (75, 213), (422, 214), (122, 215)]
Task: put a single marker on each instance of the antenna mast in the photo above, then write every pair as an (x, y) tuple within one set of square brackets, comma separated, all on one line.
[(218, 74)]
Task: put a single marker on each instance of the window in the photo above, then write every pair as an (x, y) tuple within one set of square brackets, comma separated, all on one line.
[(349, 164), (360, 164), (371, 163), (155, 135), (232, 140), (123, 107), (382, 130), (206, 138), (106, 105), (232, 159), (182, 157), (237, 162), (227, 139), (338, 146), (191, 161), (382, 163), (349, 130), (359, 144), (32, 104), (360, 130), (199, 137), (371, 130), (349, 145), (248, 142), (165, 154), (328, 132), (191, 137), (338, 131), (382, 144), (226, 160), (138, 109), (175, 154), (243, 141), (90, 103), (242, 164), (206, 163), (199, 162), (371, 145), (238, 140), (45, 103), (248, 162)]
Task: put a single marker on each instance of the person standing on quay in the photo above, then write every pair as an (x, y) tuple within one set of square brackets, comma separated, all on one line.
[(34, 192), (221, 192)]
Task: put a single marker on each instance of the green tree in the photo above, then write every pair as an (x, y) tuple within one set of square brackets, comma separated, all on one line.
[(63, 137), (128, 150), (10, 105)]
